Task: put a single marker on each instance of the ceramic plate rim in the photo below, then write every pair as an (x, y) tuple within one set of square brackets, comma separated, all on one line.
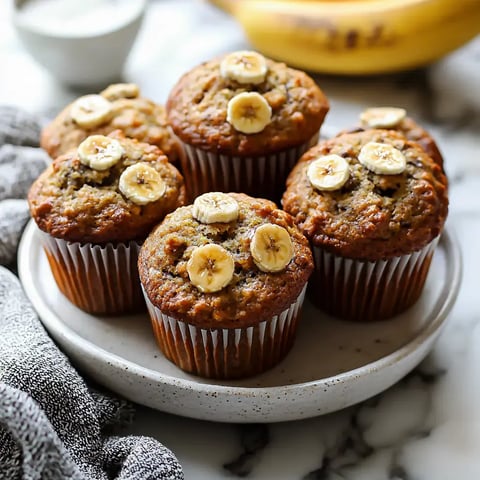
[(51, 320)]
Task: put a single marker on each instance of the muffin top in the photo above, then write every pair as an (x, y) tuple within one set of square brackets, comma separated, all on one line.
[(393, 118), (244, 104), (226, 261), (118, 107), (378, 195), (110, 189)]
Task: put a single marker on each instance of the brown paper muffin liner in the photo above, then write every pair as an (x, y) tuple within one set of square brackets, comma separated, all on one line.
[(97, 279), (366, 291), (261, 176), (226, 353)]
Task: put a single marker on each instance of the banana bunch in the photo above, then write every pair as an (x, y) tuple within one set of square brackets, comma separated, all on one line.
[(356, 37)]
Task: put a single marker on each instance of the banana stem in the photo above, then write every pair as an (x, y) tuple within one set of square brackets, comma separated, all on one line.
[(225, 5)]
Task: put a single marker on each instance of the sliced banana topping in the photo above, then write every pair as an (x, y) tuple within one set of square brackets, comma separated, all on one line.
[(382, 158), (121, 90), (210, 268), (382, 117), (215, 207), (271, 248), (100, 152), (141, 184), (248, 112), (244, 67), (91, 111), (329, 172)]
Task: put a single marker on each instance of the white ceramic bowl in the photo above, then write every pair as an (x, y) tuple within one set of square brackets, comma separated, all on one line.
[(93, 57)]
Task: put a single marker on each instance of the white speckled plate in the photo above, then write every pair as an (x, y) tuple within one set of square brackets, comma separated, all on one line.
[(332, 365)]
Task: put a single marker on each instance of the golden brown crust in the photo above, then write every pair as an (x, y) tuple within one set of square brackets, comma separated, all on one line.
[(137, 118), (372, 216), (413, 131), (252, 295), (197, 110), (79, 204)]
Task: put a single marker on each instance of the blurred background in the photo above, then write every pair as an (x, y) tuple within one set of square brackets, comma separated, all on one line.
[(44, 46), (320, 36)]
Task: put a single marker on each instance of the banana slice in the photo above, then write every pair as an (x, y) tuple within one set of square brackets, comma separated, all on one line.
[(382, 117), (121, 90), (100, 152), (141, 184), (248, 112), (271, 248), (210, 268), (91, 111), (329, 172), (382, 158), (245, 67), (215, 207)]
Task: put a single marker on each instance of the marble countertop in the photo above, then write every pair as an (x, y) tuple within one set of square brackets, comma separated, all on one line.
[(428, 425)]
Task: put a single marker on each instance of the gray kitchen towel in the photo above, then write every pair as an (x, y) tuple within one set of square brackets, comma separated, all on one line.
[(53, 426)]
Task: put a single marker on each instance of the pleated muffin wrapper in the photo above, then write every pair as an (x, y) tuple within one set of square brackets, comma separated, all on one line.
[(99, 279), (226, 353), (366, 291), (261, 176)]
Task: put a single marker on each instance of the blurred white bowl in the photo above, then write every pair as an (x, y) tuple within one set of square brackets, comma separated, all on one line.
[(82, 43)]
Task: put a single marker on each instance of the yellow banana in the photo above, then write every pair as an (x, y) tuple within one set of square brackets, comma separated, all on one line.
[(356, 36)]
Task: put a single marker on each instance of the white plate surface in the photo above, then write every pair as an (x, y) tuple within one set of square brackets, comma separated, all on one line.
[(332, 365)]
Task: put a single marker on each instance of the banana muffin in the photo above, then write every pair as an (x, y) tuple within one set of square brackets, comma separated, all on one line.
[(244, 120), (393, 118), (373, 205), (224, 280), (118, 107), (94, 206)]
